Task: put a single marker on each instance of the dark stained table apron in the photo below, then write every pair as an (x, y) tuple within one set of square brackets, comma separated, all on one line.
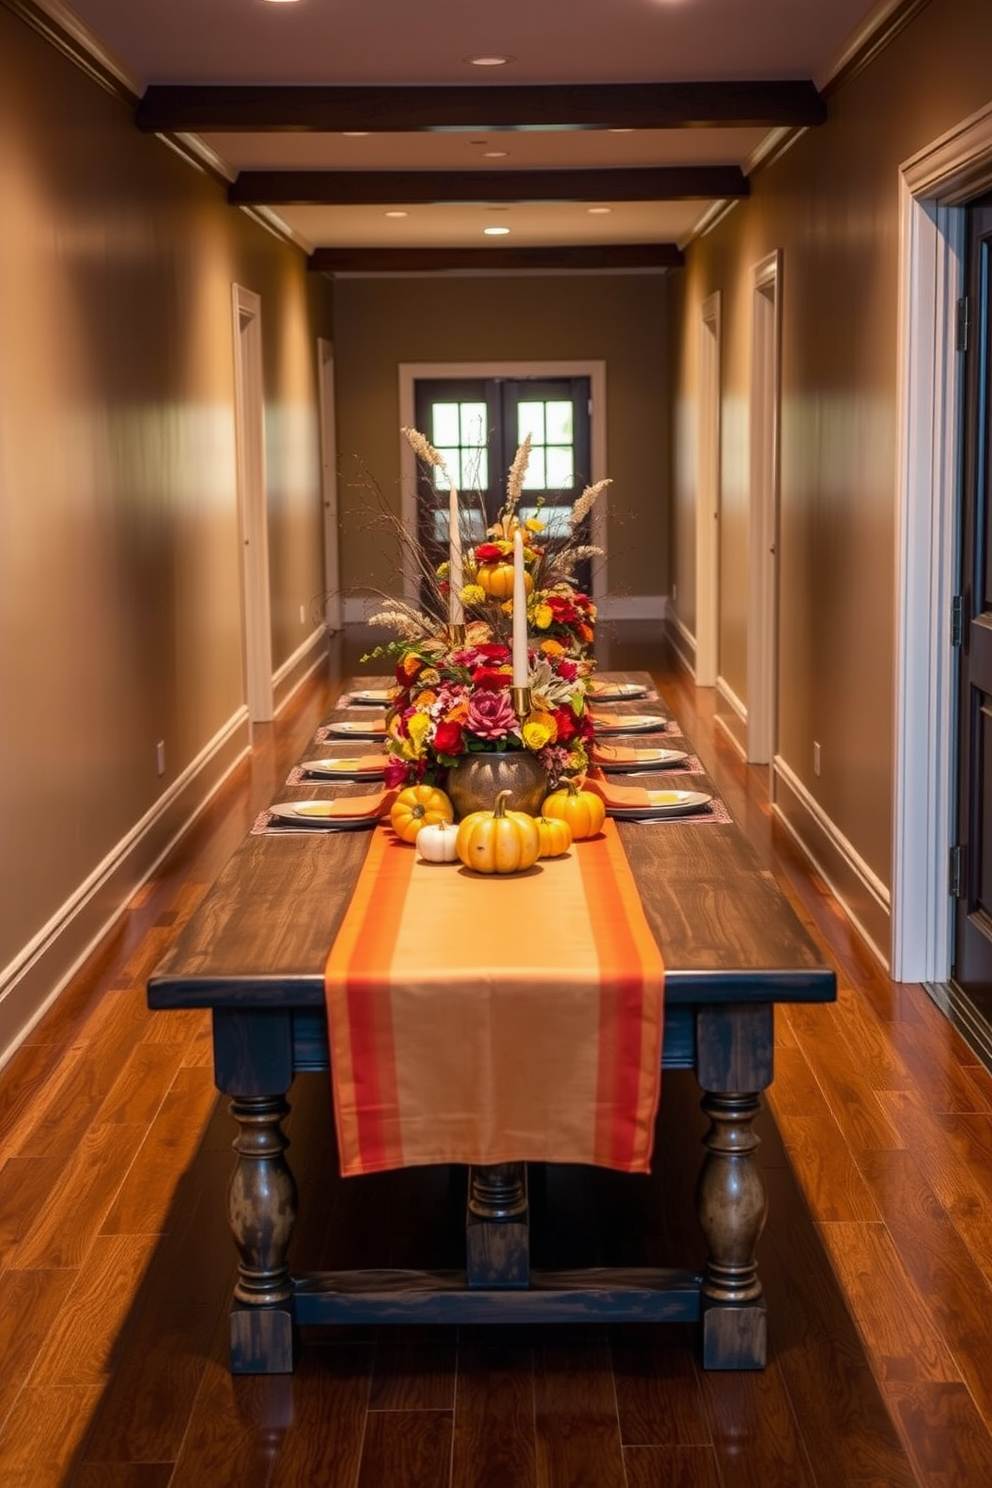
[(254, 953)]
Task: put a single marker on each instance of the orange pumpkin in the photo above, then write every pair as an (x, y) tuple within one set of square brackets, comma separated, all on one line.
[(498, 841), (583, 810), (496, 579), (419, 806), (555, 835)]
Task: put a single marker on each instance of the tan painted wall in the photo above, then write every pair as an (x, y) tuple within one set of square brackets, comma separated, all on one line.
[(831, 205), (619, 319), (119, 551)]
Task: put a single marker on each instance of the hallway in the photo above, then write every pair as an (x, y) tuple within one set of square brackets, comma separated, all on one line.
[(116, 1268)]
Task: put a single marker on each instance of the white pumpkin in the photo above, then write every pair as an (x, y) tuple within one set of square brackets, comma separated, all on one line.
[(436, 843)]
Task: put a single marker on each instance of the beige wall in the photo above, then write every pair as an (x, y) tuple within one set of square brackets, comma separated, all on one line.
[(620, 319), (831, 205), (120, 607)]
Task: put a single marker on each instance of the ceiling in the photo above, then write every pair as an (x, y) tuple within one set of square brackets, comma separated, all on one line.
[(614, 131)]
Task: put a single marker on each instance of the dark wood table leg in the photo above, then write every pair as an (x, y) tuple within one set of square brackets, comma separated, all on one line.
[(253, 1064), (497, 1228), (734, 1063)]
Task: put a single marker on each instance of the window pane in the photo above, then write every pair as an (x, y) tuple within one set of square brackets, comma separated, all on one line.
[(474, 420), (534, 476), (559, 467), (450, 458), (473, 471), (444, 424), (559, 422), (530, 420)]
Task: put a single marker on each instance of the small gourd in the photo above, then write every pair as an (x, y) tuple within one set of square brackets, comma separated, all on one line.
[(495, 578), (555, 835), (582, 809), (498, 841), (437, 843), (419, 806)]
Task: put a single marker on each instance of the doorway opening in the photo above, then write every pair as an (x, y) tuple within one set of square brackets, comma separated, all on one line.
[(762, 629), (249, 407), (708, 496)]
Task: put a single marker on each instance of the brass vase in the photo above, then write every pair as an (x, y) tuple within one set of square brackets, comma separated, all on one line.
[(477, 779)]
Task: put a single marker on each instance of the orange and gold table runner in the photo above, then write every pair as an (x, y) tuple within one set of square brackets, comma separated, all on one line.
[(486, 1019)]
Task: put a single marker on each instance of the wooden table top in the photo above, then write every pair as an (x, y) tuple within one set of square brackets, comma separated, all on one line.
[(725, 929)]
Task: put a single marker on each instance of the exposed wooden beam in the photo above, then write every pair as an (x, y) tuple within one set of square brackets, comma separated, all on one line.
[(439, 260), (371, 188), (307, 109)]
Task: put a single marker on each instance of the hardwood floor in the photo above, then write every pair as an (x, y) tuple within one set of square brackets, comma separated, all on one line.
[(116, 1266)]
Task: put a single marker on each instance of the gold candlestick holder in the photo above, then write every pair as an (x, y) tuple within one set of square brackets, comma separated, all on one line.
[(456, 635), (521, 699)]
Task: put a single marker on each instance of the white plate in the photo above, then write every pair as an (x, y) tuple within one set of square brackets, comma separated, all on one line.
[(341, 769), (355, 729), (662, 803), (373, 697), (315, 814), (652, 759), (616, 692), (630, 723)]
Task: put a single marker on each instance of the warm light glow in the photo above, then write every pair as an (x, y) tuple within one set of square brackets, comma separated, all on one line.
[(599, 211), (489, 61), (397, 214), (496, 154), (355, 133), (495, 232)]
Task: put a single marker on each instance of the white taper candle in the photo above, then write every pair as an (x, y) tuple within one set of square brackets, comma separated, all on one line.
[(521, 668), (456, 612)]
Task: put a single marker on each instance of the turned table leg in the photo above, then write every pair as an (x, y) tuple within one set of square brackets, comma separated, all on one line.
[(497, 1232), (734, 1063), (253, 1065)]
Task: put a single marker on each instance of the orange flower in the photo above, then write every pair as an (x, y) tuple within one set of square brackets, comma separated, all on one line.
[(458, 713), (425, 699), (553, 648)]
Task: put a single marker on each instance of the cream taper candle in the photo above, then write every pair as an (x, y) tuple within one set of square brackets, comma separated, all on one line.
[(521, 667), (456, 612)]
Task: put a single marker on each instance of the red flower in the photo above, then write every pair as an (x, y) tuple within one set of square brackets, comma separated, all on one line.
[(567, 670), (490, 679), (448, 738), (494, 651), (565, 721), (487, 553)]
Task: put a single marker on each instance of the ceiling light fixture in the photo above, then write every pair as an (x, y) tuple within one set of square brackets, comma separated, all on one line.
[(599, 211), (495, 154), (495, 232), (397, 214), (489, 61), (355, 133)]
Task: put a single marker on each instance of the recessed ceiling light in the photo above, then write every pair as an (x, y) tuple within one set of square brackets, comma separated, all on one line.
[(355, 133), (397, 214), (495, 154), (282, 2), (495, 232), (489, 61), (620, 131), (599, 211)]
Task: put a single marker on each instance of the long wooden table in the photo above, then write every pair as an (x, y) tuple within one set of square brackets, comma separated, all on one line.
[(254, 953)]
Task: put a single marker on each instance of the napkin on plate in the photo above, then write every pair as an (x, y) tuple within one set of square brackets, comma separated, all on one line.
[(372, 805), (366, 763), (621, 754), (625, 796)]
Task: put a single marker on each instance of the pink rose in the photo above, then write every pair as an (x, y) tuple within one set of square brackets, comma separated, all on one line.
[(491, 715)]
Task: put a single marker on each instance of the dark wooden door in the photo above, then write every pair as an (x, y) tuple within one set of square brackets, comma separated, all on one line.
[(477, 425), (973, 941)]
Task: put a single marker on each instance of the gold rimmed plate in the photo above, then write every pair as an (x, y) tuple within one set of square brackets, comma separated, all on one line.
[(372, 697), (629, 723), (342, 769), (317, 814), (357, 728), (647, 759), (662, 804), (616, 692)]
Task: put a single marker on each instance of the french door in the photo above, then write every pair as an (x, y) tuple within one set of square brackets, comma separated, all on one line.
[(973, 927), (477, 424)]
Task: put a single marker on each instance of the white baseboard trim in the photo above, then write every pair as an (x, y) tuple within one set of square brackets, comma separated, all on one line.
[(36, 976), (683, 641), (731, 716), (862, 895), (632, 607), (290, 677)]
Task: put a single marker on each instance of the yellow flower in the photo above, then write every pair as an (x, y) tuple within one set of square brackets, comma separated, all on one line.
[(542, 616), (533, 525), (417, 728), (473, 594), (430, 677), (552, 648), (443, 569), (540, 729)]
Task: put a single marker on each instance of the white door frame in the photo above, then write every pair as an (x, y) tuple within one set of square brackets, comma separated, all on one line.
[(249, 407), (412, 372), (329, 484), (708, 496), (763, 514), (934, 185)]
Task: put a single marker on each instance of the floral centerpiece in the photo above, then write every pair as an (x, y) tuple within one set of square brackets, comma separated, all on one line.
[(504, 664)]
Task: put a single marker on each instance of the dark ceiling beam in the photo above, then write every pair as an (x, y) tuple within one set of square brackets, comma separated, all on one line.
[(372, 188), (169, 108), (438, 260)]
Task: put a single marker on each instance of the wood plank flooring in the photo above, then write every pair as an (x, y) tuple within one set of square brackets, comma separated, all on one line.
[(116, 1266)]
